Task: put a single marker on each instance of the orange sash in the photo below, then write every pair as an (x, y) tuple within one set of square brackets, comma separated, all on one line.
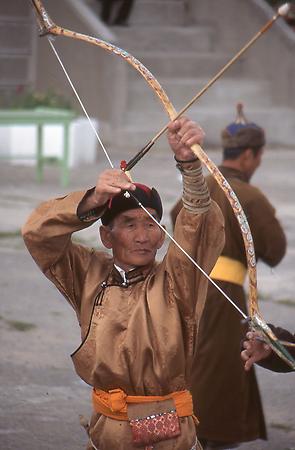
[(113, 404)]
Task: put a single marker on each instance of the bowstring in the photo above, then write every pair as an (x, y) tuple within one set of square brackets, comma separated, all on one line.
[(192, 260), (133, 196), (79, 100)]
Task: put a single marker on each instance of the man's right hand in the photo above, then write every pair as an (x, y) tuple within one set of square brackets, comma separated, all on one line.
[(109, 183)]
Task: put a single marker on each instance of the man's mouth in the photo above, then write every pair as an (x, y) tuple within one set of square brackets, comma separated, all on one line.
[(141, 251)]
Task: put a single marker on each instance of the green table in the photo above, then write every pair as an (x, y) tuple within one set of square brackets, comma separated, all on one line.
[(41, 117)]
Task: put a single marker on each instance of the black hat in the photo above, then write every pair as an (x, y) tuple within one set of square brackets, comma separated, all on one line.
[(148, 197), (242, 134)]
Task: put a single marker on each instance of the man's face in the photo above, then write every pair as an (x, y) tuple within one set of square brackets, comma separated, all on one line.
[(250, 161), (133, 237), (257, 159)]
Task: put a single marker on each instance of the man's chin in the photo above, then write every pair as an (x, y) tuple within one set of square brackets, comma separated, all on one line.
[(142, 259)]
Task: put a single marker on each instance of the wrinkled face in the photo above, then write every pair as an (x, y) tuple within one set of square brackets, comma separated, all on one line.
[(133, 237)]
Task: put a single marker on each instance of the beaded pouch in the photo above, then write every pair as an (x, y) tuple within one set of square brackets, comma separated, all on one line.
[(155, 428)]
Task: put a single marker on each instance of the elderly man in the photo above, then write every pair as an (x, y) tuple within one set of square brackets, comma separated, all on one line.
[(227, 398), (138, 318)]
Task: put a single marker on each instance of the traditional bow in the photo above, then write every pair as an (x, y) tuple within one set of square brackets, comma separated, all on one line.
[(48, 27)]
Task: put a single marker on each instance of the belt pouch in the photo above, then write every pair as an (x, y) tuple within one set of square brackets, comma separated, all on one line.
[(153, 422)]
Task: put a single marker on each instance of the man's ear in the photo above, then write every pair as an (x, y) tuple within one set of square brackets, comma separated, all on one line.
[(248, 154), (105, 236), (162, 238), (245, 159)]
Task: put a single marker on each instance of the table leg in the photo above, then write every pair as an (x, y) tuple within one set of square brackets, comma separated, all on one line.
[(39, 166), (65, 159)]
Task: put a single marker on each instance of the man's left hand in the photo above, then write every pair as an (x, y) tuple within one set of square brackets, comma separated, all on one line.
[(183, 134), (255, 350)]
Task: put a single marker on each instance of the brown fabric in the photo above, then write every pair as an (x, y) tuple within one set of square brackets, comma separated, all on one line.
[(141, 337), (226, 397), (231, 410)]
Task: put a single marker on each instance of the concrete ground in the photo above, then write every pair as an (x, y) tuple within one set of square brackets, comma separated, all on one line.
[(41, 397)]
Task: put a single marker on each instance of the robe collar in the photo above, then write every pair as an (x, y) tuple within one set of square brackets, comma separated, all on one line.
[(229, 172), (118, 277)]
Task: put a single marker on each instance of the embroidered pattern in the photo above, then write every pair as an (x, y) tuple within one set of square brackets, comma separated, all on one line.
[(155, 428)]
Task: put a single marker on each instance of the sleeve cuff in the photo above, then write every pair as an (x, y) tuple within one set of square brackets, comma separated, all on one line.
[(93, 214)]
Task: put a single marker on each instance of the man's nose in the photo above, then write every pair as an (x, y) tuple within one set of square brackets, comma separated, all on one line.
[(141, 234)]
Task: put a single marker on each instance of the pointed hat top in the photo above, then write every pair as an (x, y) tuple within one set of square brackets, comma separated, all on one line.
[(241, 133), (241, 118)]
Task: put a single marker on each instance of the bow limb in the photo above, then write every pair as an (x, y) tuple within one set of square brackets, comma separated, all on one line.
[(47, 26)]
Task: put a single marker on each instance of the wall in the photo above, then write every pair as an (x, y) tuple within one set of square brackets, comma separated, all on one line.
[(16, 48), (271, 57)]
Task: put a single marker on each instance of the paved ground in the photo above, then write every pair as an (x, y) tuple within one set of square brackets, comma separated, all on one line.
[(41, 397)]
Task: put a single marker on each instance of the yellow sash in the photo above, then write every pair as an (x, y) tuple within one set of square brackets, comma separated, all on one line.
[(228, 269)]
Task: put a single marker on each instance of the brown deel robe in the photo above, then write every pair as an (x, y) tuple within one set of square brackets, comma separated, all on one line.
[(226, 397), (142, 336)]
